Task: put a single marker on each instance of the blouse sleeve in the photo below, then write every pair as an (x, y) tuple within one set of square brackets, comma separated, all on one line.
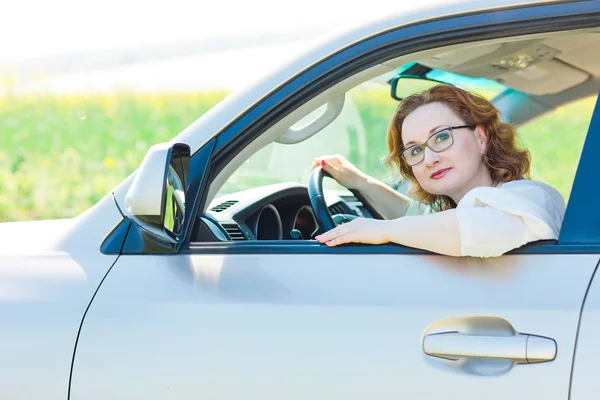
[(495, 220)]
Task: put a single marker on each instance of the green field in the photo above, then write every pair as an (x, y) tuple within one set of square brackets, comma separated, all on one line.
[(60, 155)]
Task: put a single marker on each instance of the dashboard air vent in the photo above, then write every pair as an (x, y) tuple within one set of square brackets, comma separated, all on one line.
[(338, 208), (234, 231), (223, 206), (342, 208)]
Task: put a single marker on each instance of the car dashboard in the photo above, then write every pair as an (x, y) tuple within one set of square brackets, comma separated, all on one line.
[(273, 212)]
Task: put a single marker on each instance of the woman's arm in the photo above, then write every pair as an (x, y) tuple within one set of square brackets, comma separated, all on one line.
[(437, 232), (388, 202), (472, 231)]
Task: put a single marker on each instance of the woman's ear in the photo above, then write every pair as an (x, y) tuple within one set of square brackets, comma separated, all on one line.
[(482, 138)]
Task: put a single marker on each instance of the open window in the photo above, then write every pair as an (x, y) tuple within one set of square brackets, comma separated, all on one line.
[(545, 85)]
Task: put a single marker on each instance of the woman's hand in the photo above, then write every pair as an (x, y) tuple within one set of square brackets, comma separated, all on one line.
[(341, 170), (359, 230)]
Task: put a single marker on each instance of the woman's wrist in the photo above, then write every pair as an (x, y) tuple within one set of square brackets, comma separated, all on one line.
[(394, 230), (362, 183)]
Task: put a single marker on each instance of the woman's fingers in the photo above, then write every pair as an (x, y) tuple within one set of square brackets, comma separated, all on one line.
[(359, 230), (333, 234), (316, 163), (328, 166), (329, 237), (326, 236), (339, 240), (331, 161), (348, 237)]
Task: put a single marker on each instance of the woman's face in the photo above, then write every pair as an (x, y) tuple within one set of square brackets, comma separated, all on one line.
[(456, 170)]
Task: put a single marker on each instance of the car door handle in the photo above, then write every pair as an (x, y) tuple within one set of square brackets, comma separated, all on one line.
[(520, 348)]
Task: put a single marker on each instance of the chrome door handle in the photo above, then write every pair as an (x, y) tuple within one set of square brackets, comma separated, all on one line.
[(521, 349)]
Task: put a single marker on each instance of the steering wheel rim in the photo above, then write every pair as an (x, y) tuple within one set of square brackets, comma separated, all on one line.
[(319, 206), (317, 199)]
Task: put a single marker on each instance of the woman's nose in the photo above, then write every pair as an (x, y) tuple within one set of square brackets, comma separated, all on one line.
[(430, 157)]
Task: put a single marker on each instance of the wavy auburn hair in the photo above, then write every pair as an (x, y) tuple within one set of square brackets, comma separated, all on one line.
[(505, 161)]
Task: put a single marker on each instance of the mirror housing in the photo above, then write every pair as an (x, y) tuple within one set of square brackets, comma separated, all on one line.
[(404, 85), (156, 198)]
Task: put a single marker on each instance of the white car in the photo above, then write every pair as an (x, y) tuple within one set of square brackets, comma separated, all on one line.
[(180, 285)]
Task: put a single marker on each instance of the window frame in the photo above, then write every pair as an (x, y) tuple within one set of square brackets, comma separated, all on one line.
[(405, 40)]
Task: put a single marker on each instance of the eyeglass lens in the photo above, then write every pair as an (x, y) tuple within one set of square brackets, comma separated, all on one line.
[(438, 142)]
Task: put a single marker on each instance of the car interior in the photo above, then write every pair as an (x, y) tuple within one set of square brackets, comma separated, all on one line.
[(537, 74)]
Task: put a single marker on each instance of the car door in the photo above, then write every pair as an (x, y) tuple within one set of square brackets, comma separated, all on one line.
[(354, 326), (278, 320)]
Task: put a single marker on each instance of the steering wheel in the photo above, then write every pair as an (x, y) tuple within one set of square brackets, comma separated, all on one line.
[(317, 201)]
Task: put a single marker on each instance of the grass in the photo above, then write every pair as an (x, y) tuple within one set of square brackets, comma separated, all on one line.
[(60, 155), (555, 142)]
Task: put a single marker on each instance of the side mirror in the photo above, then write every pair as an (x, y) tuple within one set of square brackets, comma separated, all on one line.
[(403, 86), (156, 198)]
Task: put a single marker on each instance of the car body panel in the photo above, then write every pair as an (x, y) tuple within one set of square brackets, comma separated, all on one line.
[(296, 326), (586, 363), (49, 271)]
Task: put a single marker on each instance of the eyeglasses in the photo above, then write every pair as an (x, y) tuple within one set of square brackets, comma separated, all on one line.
[(438, 142)]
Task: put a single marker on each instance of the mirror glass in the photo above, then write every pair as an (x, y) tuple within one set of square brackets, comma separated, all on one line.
[(405, 86), (175, 189)]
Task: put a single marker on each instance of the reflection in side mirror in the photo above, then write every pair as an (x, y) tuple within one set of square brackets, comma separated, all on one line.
[(175, 189), (403, 86)]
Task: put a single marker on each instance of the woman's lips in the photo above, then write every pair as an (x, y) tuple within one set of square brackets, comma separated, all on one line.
[(439, 173)]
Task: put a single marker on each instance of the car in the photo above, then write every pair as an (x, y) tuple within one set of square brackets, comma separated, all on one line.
[(198, 275)]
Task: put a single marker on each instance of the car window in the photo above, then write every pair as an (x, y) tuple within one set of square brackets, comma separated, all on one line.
[(555, 141), (358, 133), (350, 135)]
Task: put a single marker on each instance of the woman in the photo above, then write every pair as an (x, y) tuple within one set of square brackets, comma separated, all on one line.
[(468, 180)]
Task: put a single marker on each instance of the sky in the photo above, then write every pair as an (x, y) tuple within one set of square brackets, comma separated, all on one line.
[(35, 34), (38, 28)]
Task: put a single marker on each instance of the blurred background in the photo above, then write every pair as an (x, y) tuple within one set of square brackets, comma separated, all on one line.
[(87, 87)]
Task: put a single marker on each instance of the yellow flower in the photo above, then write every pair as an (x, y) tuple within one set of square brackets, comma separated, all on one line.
[(110, 163)]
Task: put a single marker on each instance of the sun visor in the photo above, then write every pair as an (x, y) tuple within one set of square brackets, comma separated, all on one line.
[(450, 60), (548, 77), (585, 57)]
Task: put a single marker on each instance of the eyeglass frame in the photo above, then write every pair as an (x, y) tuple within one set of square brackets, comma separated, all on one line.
[(426, 143)]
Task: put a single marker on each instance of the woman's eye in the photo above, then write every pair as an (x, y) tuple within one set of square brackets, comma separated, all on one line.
[(415, 150), (442, 137)]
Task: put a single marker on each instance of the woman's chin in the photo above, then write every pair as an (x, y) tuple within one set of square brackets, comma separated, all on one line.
[(439, 187)]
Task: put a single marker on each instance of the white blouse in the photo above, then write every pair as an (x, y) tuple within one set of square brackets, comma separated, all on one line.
[(494, 220)]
